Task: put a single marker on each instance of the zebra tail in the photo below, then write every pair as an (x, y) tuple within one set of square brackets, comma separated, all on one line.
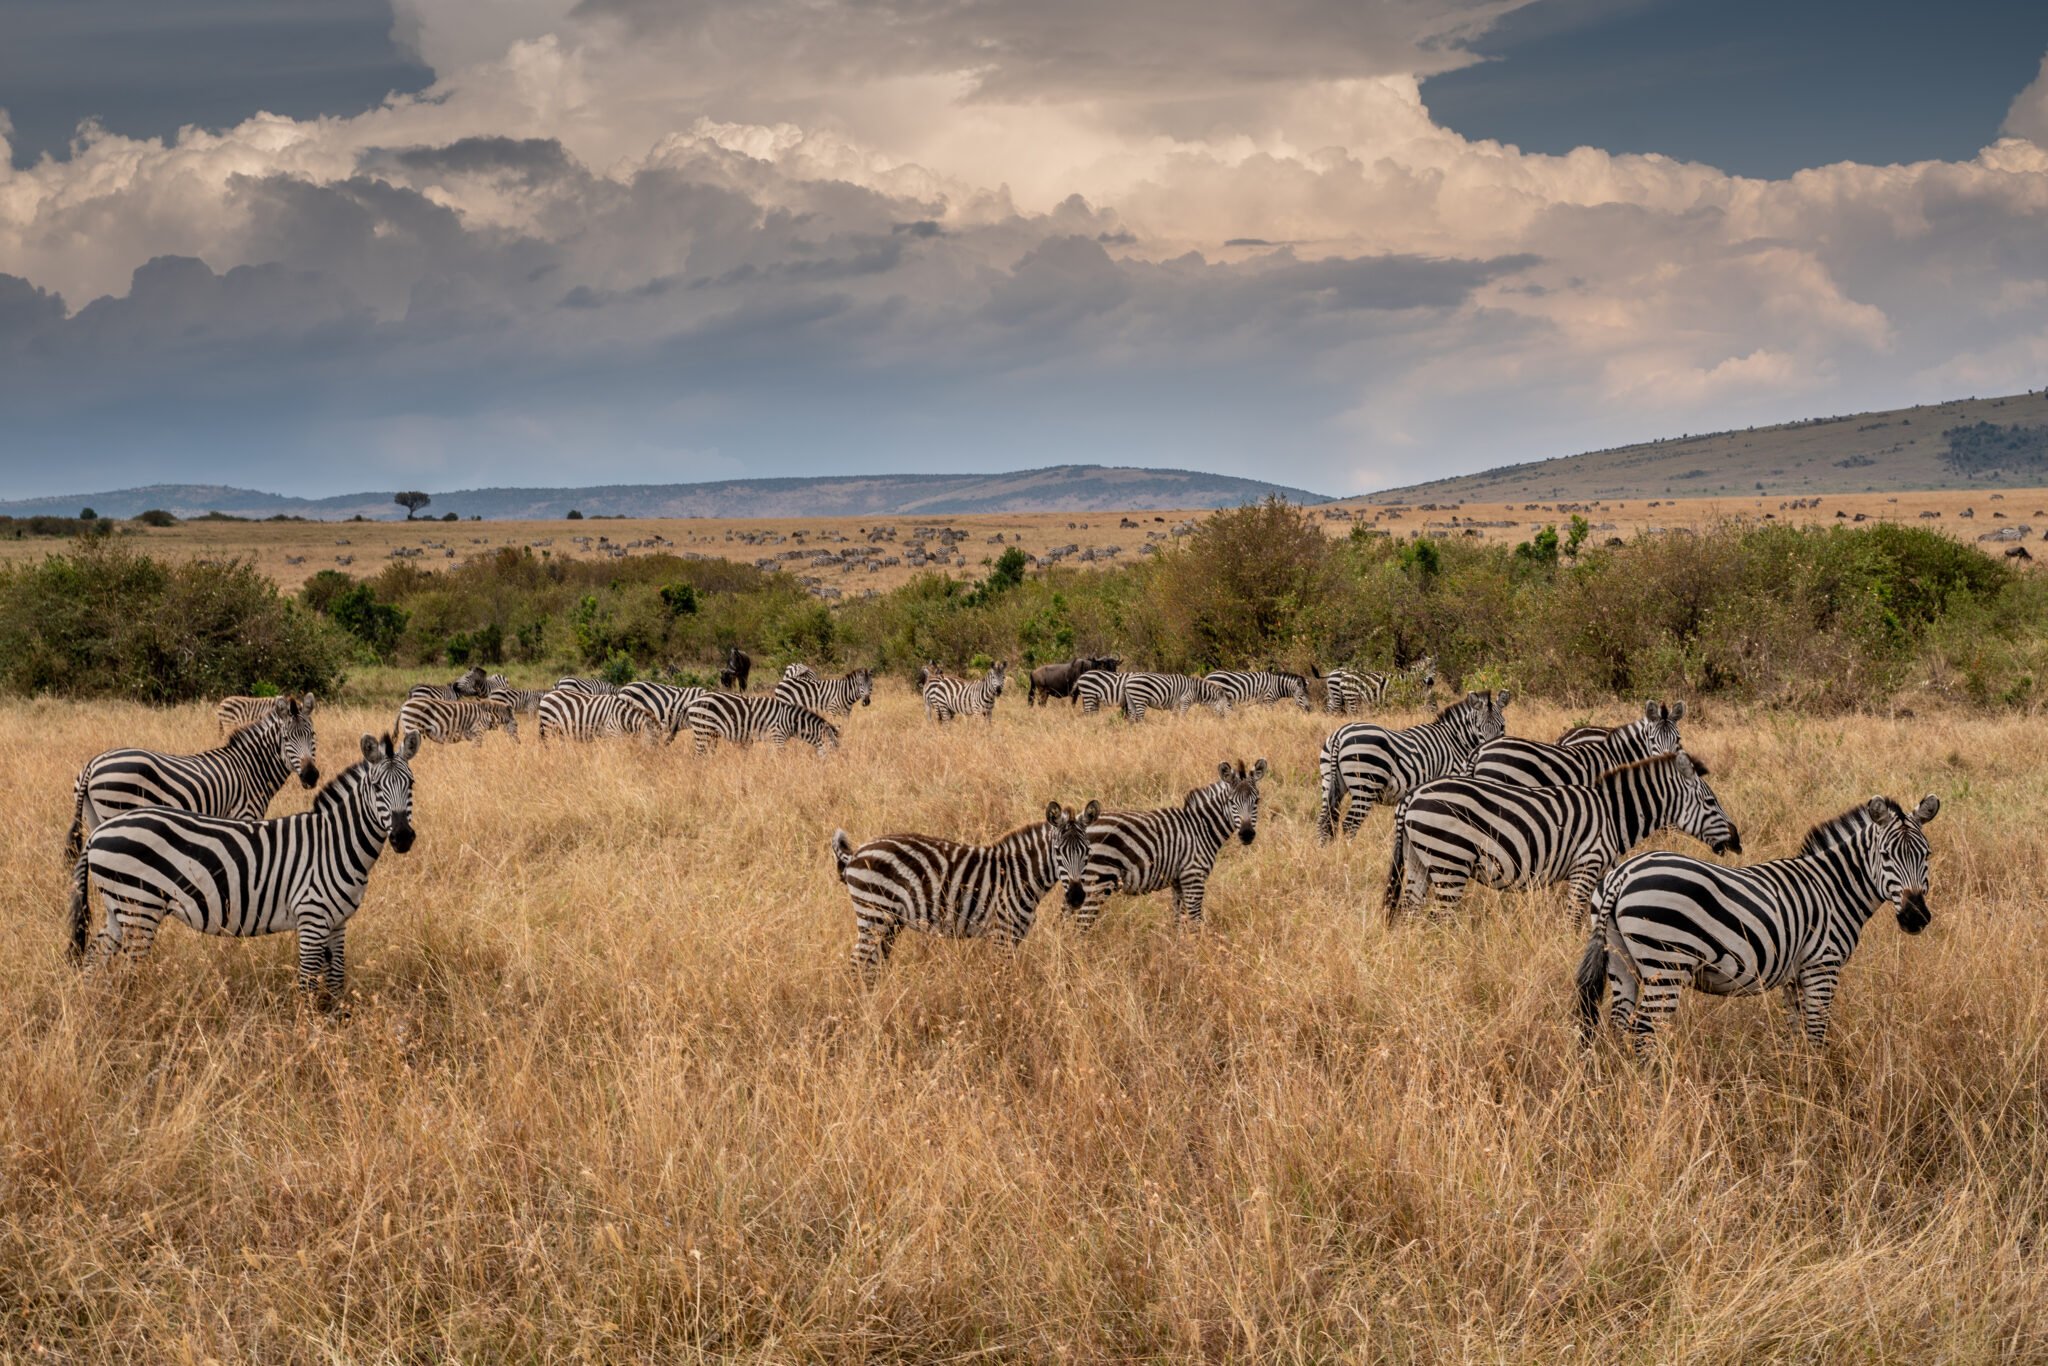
[(1333, 797), (1592, 983), (80, 910), (1395, 870), (842, 851), (74, 839)]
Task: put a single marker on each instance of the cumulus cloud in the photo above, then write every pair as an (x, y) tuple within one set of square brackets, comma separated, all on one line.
[(679, 240)]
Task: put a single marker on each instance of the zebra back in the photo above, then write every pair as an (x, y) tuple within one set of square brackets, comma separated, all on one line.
[(743, 718), (669, 703), (585, 687), (592, 716), (829, 696), (1241, 688), (1532, 763), (237, 712)]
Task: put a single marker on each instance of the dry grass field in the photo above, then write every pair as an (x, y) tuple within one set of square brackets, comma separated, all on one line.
[(608, 1092)]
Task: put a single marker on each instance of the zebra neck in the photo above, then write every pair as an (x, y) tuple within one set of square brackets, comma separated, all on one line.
[(1846, 867), (259, 756), (1637, 804), (1027, 853), (342, 812)]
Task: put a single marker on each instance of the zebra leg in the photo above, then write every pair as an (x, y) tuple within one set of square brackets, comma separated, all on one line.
[(1817, 998), (1360, 807), (1090, 910), (1188, 894), (313, 936), (1657, 1003), (1447, 883), (337, 967), (873, 939), (1794, 1005)]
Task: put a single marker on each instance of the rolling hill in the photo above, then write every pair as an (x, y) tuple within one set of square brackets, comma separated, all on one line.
[(1902, 448)]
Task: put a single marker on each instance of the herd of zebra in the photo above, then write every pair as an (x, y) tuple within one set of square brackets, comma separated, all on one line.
[(185, 835)]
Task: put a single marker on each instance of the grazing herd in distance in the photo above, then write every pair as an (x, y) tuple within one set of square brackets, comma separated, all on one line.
[(184, 836)]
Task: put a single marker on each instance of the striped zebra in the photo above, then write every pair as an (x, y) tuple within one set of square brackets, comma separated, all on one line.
[(473, 683), (449, 723), (585, 687), (669, 703), (1347, 692), (1368, 763), (221, 875), (1585, 735), (1531, 763), (1456, 831), (237, 779), (946, 698), (1171, 848), (524, 701), (1096, 691), (744, 718), (1663, 922), (829, 696), (1244, 688), (1169, 692), (237, 712), (594, 716), (962, 891)]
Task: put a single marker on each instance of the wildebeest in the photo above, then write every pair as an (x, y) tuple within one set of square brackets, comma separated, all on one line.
[(738, 664), (1057, 680)]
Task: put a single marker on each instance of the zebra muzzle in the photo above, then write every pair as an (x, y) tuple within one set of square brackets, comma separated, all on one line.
[(1913, 913), (309, 775), (402, 837), (1075, 896), (1731, 845)]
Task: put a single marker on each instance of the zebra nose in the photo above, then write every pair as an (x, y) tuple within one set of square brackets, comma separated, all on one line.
[(1731, 845), (309, 774), (1075, 896), (1913, 914)]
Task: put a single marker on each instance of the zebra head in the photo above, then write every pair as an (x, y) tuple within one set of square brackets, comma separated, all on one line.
[(1424, 670), (295, 740), (1069, 832), (795, 671), (1899, 857), (863, 681), (1659, 727), (1240, 788), (995, 677), (927, 671), (387, 782), (827, 738), (1483, 718), (1296, 687), (504, 714), (474, 683), (1700, 813)]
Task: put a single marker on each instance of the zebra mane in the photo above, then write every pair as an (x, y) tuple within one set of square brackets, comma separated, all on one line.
[(1634, 764), (1841, 827), (1454, 708), (331, 790), (274, 719)]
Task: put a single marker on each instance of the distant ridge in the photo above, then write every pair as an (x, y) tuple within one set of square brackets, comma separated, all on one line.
[(1061, 488), (1873, 452)]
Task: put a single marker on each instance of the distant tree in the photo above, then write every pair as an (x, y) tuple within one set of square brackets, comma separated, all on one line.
[(87, 515), (452, 517), (156, 517), (412, 501), (574, 515)]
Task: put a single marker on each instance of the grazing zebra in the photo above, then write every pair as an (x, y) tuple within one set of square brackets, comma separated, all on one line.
[(829, 696), (1454, 831), (744, 719), (738, 665), (1347, 692), (1662, 922), (237, 712), (946, 698), (594, 716), (1531, 763), (221, 875), (585, 687), (238, 779), (1095, 691), (450, 723), (522, 700), (1369, 763), (1172, 847), (1169, 692), (962, 891), (1242, 689), (669, 703), (473, 683)]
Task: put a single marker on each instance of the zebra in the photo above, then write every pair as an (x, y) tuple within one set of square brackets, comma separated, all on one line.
[(946, 698), (1171, 848), (926, 672), (669, 703), (449, 723), (585, 687), (1240, 689), (962, 891), (1096, 690), (1174, 692), (738, 665), (1347, 692), (1585, 735), (593, 716), (224, 875), (237, 712), (237, 779), (1531, 763), (743, 719), (473, 683), (521, 700), (1369, 763), (1662, 922), (1454, 831), (829, 696)]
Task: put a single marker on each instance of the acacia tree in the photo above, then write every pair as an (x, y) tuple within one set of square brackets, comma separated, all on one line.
[(412, 501)]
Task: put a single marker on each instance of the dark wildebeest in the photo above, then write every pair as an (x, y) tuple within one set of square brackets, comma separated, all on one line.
[(738, 664), (1058, 680)]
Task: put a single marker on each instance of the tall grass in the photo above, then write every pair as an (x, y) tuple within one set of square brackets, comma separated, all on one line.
[(608, 1091)]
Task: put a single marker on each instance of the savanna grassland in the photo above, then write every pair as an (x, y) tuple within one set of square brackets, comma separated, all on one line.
[(607, 1091)]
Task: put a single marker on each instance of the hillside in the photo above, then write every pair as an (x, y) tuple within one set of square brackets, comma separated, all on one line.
[(1875, 452), (1063, 488)]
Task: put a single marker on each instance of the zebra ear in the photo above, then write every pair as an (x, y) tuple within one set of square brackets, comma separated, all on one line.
[(1259, 770), (1929, 808), (1653, 710), (1505, 698), (411, 745), (1225, 769), (373, 750), (1880, 808), (1053, 812), (1088, 816), (1678, 711)]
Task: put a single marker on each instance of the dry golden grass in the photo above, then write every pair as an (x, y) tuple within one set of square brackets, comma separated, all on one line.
[(608, 1091)]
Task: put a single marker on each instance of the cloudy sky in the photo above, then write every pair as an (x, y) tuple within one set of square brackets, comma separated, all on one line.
[(314, 246)]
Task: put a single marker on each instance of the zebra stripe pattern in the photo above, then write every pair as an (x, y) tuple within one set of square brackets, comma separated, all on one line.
[(1663, 922), (237, 779), (1096, 691), (1455, 831), (303, 873), (237, 712), (1531, 763), (450, 723), (1585, 735), (962, 891), (594, 716), (525, 701), (829, 696), (1366, 763), (474, 683), (1171, 848), (585, 687), (669, 703), (1347, 692), (946, 698), (1242, 689), (743, 718), (1169, 692)]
